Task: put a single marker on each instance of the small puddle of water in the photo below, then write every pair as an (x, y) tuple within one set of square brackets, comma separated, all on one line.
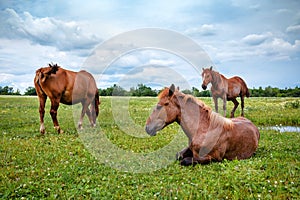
[(282, 129)]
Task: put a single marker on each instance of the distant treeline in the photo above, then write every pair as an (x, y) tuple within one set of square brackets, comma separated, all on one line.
[(143, 90)]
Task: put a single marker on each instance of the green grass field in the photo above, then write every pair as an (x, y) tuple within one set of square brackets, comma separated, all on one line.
[(64, 166)]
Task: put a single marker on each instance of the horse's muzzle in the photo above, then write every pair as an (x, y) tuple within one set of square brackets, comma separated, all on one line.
[(204, 87), (151, 132)]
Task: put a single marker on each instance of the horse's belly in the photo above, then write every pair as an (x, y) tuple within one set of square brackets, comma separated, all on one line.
[(242, 141), (66, 101)]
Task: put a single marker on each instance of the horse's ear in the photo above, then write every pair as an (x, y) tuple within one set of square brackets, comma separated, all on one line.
[(178, 88), (202, 68), (210, 68), (171, 90)]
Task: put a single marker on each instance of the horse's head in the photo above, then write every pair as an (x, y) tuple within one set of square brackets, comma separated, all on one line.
[(206, 77), (166, 111)]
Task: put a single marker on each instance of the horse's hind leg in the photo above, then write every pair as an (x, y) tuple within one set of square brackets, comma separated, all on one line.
[(90, 116), (42, 100), (242, 105), (236, 104), (53, 113), (83, 112)]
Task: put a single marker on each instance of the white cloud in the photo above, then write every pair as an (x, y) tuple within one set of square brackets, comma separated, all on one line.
[(255, 39), (293, 29), (282, 49), (45, 31), (203, 30)]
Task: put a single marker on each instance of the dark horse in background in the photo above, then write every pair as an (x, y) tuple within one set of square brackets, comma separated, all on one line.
[(67, 87), (211, 137), (226, 89)]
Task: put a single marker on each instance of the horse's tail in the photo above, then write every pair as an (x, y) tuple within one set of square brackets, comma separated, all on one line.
[(247, 92), (97, 103), (95, 107)]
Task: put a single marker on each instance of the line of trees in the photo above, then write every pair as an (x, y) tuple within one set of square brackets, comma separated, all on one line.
[(143, 90), (140, 90), (6, 90), (275, 92)]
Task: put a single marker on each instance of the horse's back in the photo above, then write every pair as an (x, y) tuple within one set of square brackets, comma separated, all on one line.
[(243, 139)]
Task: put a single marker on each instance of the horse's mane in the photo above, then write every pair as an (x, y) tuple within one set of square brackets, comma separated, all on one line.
[(215, 119), (54, 68)]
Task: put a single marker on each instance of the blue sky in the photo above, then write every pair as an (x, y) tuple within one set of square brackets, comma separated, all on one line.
[(257, 40)]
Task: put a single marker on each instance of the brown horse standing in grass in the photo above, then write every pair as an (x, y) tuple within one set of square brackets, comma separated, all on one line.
[(226, 89), (67, 87), (211, 136)]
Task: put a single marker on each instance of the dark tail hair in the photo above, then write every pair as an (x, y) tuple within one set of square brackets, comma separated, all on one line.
[(247, 92), (97, 103), (95, 107)]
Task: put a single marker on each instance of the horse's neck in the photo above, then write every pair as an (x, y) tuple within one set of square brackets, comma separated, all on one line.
[(193, 119), (217, 80)]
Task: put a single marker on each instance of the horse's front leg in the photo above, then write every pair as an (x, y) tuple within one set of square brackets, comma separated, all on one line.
[(216, 103), (186, 152), (195, 158), (53, 113), (224, 105)]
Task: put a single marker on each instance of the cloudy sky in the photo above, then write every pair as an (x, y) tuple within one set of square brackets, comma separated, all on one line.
[(257, 40)]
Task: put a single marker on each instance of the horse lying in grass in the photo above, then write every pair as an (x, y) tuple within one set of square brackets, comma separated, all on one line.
[(211, 136), (67, 87), (226, 89)]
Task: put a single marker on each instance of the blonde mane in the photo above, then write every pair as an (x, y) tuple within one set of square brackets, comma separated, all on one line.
[(215, 119)]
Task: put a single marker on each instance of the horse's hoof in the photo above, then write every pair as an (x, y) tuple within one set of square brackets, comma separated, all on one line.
[(59, 131), (187, 161), (179, 156), (79, 127)]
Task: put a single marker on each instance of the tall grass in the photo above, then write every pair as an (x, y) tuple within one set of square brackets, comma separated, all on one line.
[(62, 166)]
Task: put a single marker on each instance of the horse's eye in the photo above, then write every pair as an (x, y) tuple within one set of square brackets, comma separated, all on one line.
[(166, 104)]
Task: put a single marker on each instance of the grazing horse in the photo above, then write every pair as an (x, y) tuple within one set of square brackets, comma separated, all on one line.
[(67, 87), (226, 89), (211, 137)]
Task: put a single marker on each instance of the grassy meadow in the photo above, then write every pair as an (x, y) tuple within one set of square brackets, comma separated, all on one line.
[(50, 166)]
